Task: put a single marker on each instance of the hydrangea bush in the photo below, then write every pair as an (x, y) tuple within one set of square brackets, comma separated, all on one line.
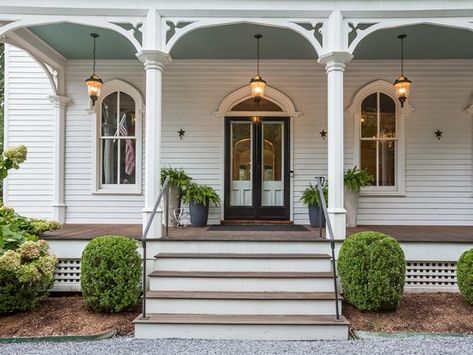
[(26, 275)]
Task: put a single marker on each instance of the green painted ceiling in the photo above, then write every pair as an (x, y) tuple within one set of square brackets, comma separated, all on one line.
[(74, 41), (422, 42), (237, 42)]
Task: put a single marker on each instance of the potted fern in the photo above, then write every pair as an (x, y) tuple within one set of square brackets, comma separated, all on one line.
[(311, 198), (199, 197), (178, 180), (354, 179)]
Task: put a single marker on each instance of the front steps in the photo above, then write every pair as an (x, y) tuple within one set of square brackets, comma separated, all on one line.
[(240, 295)]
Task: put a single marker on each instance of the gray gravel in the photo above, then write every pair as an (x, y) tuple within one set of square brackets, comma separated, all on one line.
[(445, 345)]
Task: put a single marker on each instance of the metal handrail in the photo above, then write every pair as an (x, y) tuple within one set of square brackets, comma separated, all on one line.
[(164, 190), (332, 240)]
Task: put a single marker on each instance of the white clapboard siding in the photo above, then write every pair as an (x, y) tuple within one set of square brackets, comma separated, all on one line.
[(29, 121), (438, 173), (82, 205)]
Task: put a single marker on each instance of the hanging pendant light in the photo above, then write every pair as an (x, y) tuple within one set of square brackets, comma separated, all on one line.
[(257, 83), (94, 83), (402, 84)]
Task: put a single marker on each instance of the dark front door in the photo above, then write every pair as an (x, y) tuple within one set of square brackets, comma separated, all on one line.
[(257, 168)]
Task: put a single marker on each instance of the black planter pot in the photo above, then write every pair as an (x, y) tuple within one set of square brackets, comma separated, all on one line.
[(199, 214), (315, 212)]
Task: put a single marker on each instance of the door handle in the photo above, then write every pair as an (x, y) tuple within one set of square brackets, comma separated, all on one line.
[(291, 173)]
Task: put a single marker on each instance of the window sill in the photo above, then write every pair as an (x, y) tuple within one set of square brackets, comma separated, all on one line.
[(381, 193), (117, 192)]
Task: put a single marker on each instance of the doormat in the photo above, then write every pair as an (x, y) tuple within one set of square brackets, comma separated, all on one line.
[(258, 228)]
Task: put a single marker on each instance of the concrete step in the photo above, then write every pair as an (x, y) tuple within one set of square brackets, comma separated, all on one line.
[(251, 327), (276, 303), (242, 262), (241, 281)]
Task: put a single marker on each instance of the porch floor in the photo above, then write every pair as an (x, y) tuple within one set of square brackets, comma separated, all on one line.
[(456, 234)]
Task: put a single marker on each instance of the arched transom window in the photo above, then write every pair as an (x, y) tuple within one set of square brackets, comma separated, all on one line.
[(119, 139)]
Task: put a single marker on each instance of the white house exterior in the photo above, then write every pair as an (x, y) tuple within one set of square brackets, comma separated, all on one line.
[(433, 178), (186, 65)]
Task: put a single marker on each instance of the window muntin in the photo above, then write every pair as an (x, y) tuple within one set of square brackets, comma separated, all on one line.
[(118, 156), (378, 139)]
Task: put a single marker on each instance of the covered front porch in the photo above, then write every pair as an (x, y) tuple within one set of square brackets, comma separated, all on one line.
[(194, 87), (405, 234)]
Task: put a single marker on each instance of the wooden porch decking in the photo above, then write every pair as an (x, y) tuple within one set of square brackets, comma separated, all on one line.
[(455, 234)]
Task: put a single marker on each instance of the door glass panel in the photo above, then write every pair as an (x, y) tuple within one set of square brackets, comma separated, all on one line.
[(272, 191), (241, 162)]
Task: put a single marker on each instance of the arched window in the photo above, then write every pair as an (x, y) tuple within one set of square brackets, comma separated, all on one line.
[(118, 145), (379, 137)]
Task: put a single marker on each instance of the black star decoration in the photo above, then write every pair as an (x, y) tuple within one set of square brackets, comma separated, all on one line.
[(181, 133), (438, 134), (323, 134)]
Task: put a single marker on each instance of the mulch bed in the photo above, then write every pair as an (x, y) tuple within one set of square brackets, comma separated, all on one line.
[(65, 316), (419, 312)]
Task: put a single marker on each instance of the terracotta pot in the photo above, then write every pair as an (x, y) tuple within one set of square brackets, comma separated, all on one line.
[(351, 205)]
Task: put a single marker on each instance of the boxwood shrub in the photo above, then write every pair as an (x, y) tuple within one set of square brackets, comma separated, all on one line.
[(110, 274), (372, 268), (26, 275), (465, 275)]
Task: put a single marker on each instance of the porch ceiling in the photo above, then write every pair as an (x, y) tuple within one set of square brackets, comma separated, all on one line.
[(73, 41), (236, 42)]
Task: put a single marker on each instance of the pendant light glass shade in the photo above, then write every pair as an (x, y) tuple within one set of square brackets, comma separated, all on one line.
[(257, 87), (257, 83), (94, 83), (402, 84)]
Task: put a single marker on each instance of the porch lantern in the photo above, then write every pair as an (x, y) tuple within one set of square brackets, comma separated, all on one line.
[(402, 84), (257, 83), (94, 83)]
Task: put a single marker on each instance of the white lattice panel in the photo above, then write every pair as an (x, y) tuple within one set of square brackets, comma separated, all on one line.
[(431, 276), (67, 275)]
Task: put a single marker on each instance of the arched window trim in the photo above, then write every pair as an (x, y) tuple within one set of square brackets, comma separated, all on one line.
[(354, 110), (117, 85), (277, 97)]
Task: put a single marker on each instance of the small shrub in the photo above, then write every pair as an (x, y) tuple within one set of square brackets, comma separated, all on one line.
[(110, 274), (372, 268), (26, 275), (465, 275)]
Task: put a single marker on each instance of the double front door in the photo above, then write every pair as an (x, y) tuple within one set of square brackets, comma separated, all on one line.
[(257, 168)]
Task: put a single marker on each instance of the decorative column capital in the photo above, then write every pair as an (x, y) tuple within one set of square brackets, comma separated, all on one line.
[(335, 61), (60, 101), (154, 59)]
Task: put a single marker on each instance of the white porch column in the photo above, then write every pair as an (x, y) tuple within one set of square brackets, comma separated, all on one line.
[(335, 66), (154, 62), (58, 205)]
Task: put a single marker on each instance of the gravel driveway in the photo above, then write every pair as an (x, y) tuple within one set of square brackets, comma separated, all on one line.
[(448, 345)]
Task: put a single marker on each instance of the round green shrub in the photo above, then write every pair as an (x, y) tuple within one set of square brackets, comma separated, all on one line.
[(465, 275), (110, 274), (26, 275), (372, 268)]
